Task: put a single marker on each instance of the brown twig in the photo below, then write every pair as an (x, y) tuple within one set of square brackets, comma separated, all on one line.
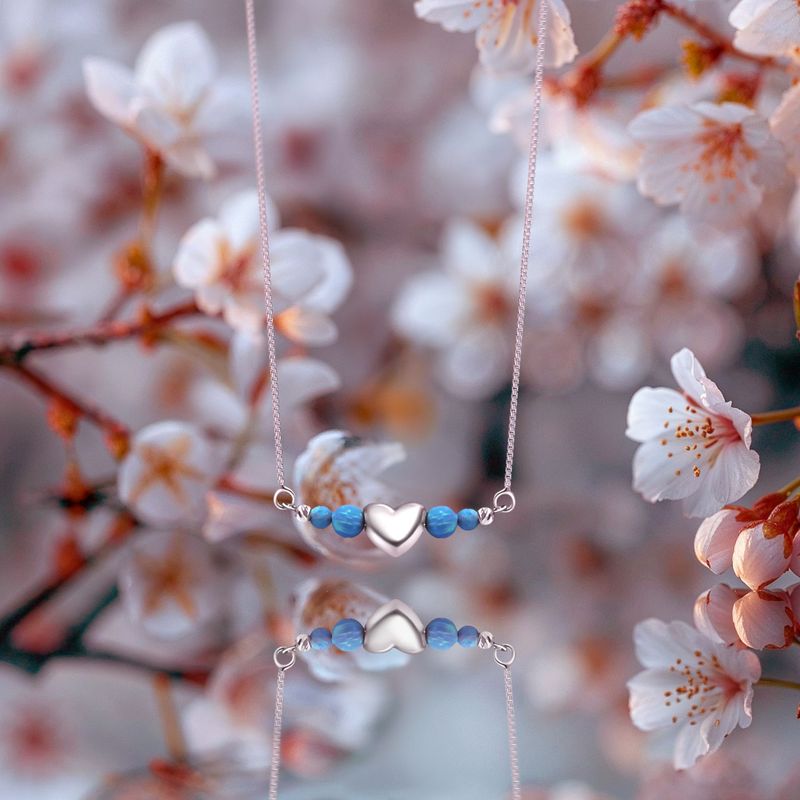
[(635, 19), (113, 428), (712, 36), (147, 326)]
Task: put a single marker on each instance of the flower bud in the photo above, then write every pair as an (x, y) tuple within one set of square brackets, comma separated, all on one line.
[(760, 556), (715, 540), (764, 620), (713, 613)]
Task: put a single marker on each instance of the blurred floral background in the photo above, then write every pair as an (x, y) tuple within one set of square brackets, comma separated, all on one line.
[(146, 577)]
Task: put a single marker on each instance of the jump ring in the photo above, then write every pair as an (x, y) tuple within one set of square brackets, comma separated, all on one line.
[(504, 655), (280, 499), (286, 657), (504, 501)]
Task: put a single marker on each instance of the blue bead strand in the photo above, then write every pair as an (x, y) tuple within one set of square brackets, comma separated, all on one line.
[(441, 522), (441, 633), (348, 635), (348, 521)]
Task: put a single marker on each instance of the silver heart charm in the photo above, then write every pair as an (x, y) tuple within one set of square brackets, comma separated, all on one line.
[(394, 625), (394, 530)]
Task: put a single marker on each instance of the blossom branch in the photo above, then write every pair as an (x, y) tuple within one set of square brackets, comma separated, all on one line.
[(49, 590), (771, 417), (780, 682), (116, 433), (635, 19), (713, 37), (147, 326)]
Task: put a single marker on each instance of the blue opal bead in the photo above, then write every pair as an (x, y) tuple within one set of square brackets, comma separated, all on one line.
[(467, 519), (441, 633), (320, 516), (441, 522), (468, 636), (320, 639), (348, 635), (348, 521)]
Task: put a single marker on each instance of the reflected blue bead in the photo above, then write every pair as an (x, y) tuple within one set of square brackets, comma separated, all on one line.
[(441, 633), (348, 521), (320, 639), (468, 636), (320, 516), (441, 522), (348, 635), (468, 519)]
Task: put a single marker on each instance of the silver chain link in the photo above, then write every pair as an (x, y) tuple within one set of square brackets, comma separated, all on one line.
[(522, 300), (263, 228), (533, 149), (277, 731), (516, 789), (504, 655)]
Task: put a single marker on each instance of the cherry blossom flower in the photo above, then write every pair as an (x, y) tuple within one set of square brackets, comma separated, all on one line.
[(336, 469), (764, 620), (506, 32), (168, 100), (713, 614), (167, 473), (694, 446), (71, 725), (321, 604), (235, 714), (716, 161), (463, 312), (688, 274), (767, 27), (169, 584), (699, 687), (587, 231), (219, 260)]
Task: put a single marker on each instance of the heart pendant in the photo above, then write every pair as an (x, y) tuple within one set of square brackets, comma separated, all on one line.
[(394, 530), (394, 625)]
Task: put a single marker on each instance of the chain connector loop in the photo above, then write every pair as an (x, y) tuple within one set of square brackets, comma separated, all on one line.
[(286, 657), (284, 499), (504, 501), (504, 655)]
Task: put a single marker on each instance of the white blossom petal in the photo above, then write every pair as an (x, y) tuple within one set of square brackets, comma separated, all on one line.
[(111, 89), (176, 67)]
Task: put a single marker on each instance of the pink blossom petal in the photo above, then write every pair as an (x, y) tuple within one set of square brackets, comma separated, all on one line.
[(715, 540), (764, 620), (713, 613), (758, 560)]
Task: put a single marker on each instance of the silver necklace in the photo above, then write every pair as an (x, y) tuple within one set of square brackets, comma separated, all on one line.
[(395, 530)]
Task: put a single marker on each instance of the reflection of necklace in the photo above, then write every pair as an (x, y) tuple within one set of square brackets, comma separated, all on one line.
[(394, 626), (395, 530)]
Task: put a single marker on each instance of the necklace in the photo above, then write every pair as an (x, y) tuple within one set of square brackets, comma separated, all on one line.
[(395, 530)]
